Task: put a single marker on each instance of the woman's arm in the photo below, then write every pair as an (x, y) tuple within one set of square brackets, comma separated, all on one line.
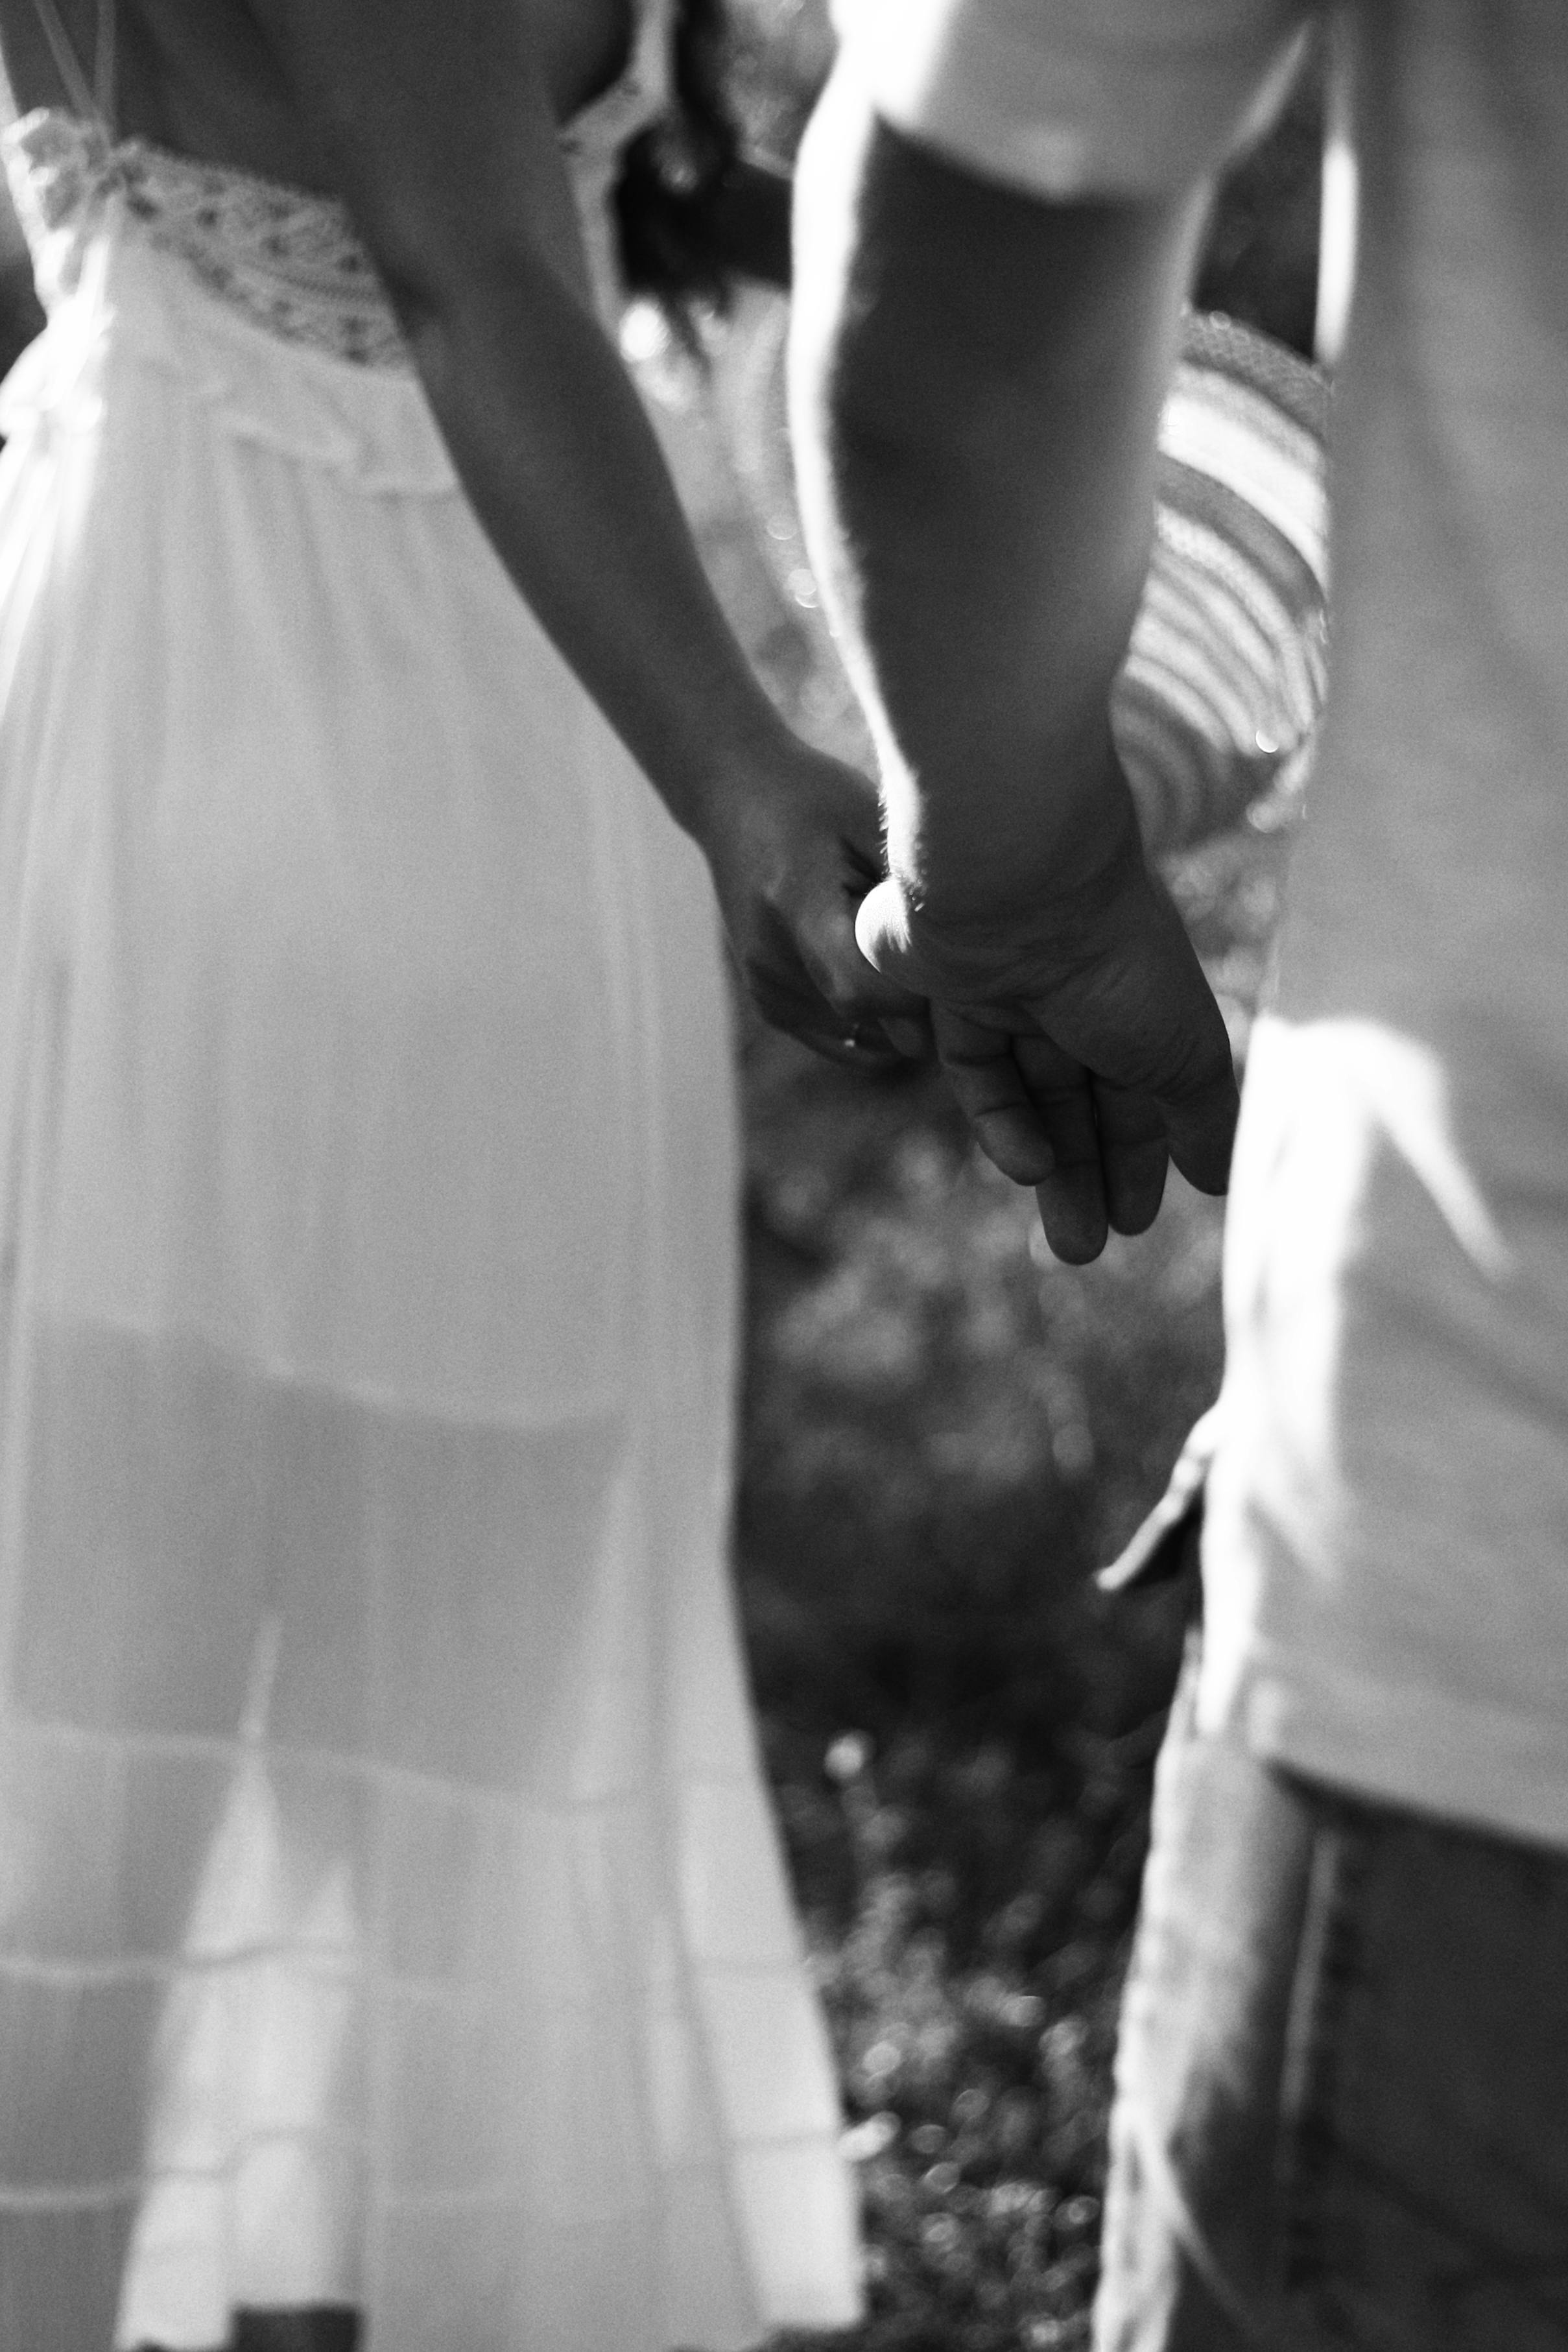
[(441, 138)]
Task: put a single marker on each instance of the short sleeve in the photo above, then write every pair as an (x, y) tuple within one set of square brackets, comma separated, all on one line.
[(1076, 97)]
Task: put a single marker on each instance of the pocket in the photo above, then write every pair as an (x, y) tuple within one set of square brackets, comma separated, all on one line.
[(1424, 2114), (1166, 1545), (1327, 1961), (1192, 2222)]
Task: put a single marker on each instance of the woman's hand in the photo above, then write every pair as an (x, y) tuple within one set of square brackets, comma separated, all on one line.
[(793, 846)]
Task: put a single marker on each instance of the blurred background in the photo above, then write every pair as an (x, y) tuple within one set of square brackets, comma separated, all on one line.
[(945, 1434)]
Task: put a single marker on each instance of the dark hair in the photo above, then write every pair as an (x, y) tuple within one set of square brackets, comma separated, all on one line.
[(673, 176)]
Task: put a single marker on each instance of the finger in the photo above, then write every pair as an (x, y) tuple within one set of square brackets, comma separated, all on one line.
[(798, 1007), (853, 1053), (1072, 1197), (861, 997), (787, 999), (789, 996), (909, 1036), (1201, 1128), (1196, 1088), (989, 1086), (1132, 1156), (1072, 1215)]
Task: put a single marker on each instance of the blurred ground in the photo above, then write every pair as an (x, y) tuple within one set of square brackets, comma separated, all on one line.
[(944, 1432)]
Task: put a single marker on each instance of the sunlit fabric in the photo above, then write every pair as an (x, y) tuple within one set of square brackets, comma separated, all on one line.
[(390, 1910), (1391, 1433), (1385, 1556), (1069, 97), (1388, 1535)]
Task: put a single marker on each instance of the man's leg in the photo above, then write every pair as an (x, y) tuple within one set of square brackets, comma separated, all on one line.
[(1203, 2027), (1341, 2114)]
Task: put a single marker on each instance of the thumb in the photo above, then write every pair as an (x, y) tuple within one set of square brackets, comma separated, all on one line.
[(882, 932), (828, 941)]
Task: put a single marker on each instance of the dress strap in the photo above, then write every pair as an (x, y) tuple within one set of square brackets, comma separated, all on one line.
[(104, 65), (93, 102)]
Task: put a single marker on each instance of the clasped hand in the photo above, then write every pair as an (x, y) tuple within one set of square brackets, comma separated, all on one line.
[(793, 854), (1072, 1018), (1079, 1033)]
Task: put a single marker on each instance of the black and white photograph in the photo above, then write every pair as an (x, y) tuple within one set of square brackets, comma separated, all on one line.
[(783, 1176)]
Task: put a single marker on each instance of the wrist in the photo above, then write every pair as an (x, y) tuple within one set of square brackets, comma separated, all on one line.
[(968, 869), (736, 763)]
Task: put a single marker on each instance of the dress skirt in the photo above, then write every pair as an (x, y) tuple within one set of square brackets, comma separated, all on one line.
[(391, 1913)]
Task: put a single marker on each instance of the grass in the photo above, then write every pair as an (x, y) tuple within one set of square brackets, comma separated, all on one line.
[(944, 1432)]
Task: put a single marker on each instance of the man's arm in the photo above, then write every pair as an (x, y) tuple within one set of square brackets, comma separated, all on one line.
[(976, 380)]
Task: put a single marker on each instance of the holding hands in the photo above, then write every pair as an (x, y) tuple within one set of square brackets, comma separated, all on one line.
[(977, 368), (1079, 1033), (793, 852), (1072, 1017)]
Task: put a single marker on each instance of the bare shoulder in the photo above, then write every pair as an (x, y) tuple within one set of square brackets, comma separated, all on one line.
[(302, 91), (436, 55), (437, 121), (419, 65), (198, 76)]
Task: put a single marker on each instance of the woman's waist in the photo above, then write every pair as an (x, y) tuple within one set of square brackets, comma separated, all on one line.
[(139, 323), (289, 259)]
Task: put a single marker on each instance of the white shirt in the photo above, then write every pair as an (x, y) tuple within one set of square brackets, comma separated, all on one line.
[(1386, 1545)]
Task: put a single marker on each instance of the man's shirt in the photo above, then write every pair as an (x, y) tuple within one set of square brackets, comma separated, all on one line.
[(1386, 1545)]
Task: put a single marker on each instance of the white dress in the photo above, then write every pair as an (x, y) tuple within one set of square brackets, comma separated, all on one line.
[(391, 1913)]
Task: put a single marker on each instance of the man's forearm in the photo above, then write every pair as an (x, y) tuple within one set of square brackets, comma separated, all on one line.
[(977, 379)]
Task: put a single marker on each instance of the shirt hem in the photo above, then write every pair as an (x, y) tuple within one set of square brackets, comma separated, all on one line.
[(1066, 114), (1420, 1750)]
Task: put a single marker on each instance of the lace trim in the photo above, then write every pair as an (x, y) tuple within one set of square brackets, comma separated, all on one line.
[(289, 261)]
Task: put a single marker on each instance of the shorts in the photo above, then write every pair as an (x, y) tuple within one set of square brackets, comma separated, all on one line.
[(1341, 2105)]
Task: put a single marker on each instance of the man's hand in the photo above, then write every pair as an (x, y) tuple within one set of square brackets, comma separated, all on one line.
[(977, 369), (1079, 1036)]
